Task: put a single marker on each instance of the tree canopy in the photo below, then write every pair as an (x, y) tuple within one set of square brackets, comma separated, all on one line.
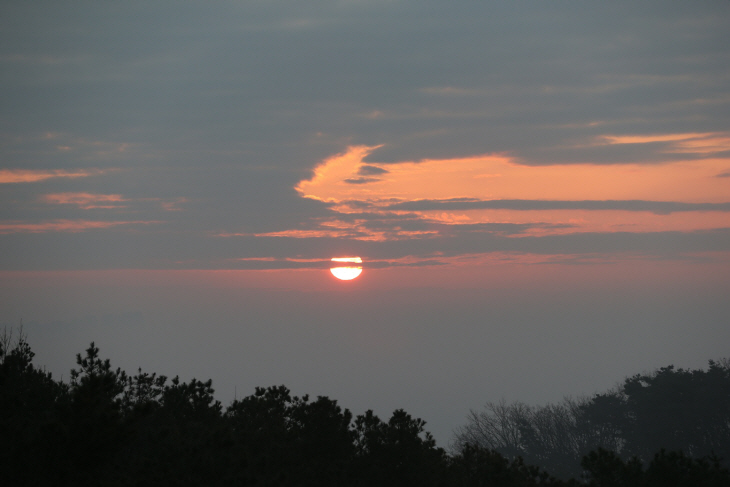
[(106, 427)]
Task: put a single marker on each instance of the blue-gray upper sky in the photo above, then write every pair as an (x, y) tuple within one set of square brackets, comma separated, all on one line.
[(458, 135)]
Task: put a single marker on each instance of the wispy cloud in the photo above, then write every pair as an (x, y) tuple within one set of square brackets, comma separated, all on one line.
[(73, 226), (86, 201), (656, 207), (89, 201), (686, 143), (9, 176)]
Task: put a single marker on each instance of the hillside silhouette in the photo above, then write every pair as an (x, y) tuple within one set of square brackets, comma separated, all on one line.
[(106, 427)]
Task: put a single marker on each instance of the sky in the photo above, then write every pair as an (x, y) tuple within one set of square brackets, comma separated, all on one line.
[(539, 192)]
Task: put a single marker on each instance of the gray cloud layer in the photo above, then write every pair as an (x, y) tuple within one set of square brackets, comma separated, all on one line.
[(224, 107)]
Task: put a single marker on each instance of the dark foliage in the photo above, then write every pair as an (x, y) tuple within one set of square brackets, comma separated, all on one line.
[(108, 428), (666, 469), (33, 429)]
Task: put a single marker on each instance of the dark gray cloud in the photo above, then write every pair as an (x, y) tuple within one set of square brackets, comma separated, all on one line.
[(368, 170), (361, 180)]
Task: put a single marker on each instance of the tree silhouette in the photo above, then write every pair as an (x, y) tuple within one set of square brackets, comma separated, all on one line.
[(475, 466), (399, 452), (678, 409), (108, 428), (96, 429), (32, 432), (667, 469)]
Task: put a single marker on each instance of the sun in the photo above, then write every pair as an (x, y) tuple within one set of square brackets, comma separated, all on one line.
[(346, 272)]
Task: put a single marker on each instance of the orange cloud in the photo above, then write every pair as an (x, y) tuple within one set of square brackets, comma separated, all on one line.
[(697, 143), (32, 176), (89, 201), (340, 181), (645, 139), (85, 200), (173, 205), (571, 221), (497, 176)]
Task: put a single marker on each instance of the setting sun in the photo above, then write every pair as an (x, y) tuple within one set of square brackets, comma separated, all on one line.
[(346, 272)]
